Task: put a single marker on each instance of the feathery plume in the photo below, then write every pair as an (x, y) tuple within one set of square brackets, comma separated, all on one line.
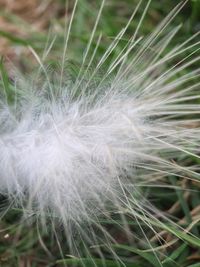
[(74, 149)]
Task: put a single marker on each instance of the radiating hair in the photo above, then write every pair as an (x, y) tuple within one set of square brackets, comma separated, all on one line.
[(78, 149)]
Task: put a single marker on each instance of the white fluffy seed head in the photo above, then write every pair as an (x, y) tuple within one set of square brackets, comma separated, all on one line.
[(69, 149), (65, 155)]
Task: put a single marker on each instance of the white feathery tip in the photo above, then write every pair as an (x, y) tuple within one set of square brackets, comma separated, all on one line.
[(70, 148)]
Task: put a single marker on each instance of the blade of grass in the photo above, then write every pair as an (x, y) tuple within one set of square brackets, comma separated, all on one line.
[(96, 263)]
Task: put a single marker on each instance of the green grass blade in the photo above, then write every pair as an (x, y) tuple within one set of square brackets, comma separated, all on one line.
[(96, 263)]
